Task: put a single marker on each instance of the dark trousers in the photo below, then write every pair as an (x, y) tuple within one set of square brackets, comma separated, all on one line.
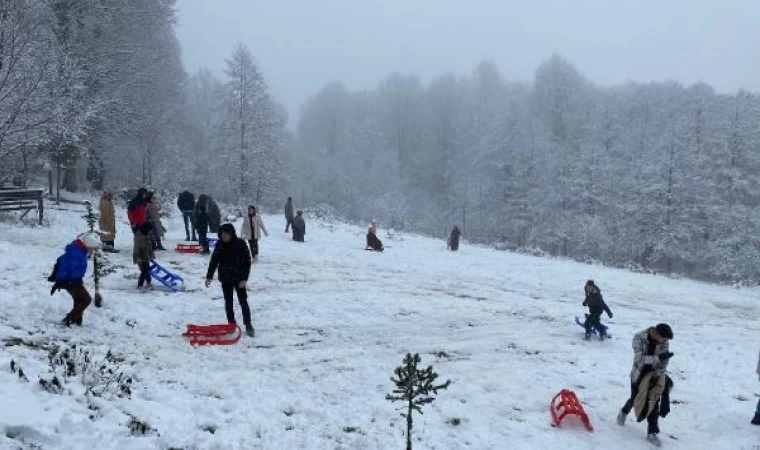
[(242, 295), (652, 427), (757, 410), (81, 299), (203, 240), (187, 217), (155, 238), (289, 223), (593, 322), (254, 244), (144, 274)]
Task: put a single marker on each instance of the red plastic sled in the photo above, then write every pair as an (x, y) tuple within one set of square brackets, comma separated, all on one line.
[(189, 248), (565, 404), (226, 334)]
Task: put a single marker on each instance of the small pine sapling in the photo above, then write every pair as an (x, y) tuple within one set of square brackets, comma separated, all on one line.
[(416, 387)]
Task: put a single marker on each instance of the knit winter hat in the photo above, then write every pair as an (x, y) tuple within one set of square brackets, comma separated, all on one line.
[(664, 330), (90, 240)]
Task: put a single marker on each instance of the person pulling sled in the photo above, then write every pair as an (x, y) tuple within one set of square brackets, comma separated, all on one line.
[(596, 306), (68, 274)]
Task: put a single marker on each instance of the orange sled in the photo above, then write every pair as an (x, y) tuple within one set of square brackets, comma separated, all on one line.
[(226, 334)]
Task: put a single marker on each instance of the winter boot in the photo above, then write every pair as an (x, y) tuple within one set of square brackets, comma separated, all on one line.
[(653, 439), (602, 336), (621, 418), (587, 337), (756, 419), (67, 321), (249, 330)]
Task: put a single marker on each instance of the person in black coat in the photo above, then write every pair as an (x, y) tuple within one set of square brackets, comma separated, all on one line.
[(201, 225), (596, 305), (454, 239), (373, 242), (233, 261), (186, 204), (299, 227)]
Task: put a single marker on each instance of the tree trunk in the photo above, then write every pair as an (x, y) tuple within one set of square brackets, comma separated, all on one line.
[(57, 183), (409, 426)]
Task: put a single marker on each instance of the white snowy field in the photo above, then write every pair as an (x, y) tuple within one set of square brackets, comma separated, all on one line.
[(332, 323)]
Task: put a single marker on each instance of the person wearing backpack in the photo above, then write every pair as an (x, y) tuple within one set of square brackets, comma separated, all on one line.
[(68, 274)]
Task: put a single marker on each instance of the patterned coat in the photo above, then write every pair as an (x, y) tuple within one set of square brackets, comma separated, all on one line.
[(642, 358)]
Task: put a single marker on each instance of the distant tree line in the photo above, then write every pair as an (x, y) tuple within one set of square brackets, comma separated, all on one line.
[(655, 175)]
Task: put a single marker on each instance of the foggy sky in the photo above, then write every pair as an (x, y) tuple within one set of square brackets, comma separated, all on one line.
[(301, 45)]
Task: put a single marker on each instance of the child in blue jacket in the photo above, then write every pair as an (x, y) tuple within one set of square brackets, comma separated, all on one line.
[(68, 274)]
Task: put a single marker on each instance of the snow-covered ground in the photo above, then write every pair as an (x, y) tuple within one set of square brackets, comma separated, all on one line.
[(333, 321)]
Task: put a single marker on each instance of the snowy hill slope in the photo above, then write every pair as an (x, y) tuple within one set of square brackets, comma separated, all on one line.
[(333, 321)]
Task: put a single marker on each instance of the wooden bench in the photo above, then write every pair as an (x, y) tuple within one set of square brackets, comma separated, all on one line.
[(22, 200)]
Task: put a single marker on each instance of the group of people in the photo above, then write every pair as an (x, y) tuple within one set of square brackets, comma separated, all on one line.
[(231, 260), (650, 385)]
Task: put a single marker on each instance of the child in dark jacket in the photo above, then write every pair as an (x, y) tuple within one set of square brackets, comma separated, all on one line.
[(596, 306), (68, 274)]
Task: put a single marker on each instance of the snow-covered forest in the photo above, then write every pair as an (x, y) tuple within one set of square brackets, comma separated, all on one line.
[(657, 175), (93, 95)]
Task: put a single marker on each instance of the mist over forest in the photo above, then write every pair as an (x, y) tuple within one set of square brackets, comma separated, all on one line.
[(655, 175)]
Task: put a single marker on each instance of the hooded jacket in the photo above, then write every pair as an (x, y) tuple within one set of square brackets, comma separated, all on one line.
[(72, 265), (232, 259), (596, 304), (186, 201)]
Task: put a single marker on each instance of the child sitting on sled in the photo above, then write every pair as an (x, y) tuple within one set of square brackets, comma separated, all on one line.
[(596, 306)]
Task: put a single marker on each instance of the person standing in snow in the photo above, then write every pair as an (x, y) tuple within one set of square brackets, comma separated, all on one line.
[(68, 274), (233, 261), (251, 230), (453, 243), (373, 227), (299, 227), (214, 215), (157, 233), (596, 305), (289, 214), (651, 356), (756, 419), (107, 222), (142, 253), (201, 225), (186, 205)]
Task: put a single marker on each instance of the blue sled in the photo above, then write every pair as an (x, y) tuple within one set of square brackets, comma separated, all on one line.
[(593, 330), (172, 281)]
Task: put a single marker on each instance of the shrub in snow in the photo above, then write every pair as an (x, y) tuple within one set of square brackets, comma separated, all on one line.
[(75, 370), (415, 387)]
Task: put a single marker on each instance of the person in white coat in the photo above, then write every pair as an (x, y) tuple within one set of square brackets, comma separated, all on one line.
[(252, 229)]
